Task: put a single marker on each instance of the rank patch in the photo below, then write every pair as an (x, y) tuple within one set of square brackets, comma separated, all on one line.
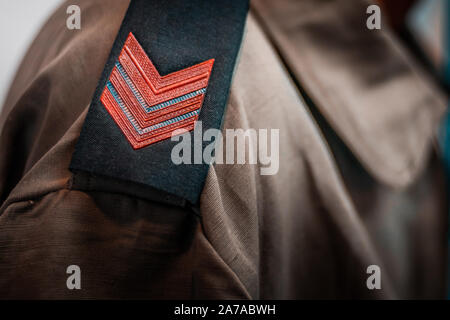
[(148, 107), (124, 146)]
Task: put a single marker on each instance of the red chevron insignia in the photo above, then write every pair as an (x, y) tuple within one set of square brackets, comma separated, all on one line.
[(148, 107)]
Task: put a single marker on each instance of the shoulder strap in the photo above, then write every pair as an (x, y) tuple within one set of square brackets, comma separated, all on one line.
[(170, 66)]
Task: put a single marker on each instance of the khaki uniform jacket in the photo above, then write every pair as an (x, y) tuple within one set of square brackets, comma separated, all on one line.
[(359, 180)]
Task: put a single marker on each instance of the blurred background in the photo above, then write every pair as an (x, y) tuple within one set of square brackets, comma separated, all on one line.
[(20, 20)]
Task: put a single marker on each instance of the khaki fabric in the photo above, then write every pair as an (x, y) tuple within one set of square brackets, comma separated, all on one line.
[(335, 207)]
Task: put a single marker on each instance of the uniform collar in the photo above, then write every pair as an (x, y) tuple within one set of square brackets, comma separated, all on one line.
[(369, 89)]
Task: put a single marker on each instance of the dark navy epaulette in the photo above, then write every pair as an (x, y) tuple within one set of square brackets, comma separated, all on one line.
[(170, 66)]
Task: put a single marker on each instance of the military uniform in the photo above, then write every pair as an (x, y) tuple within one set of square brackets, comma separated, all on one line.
[(359, 180)]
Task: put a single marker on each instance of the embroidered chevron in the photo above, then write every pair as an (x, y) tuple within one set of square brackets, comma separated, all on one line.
[(148, 107)]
